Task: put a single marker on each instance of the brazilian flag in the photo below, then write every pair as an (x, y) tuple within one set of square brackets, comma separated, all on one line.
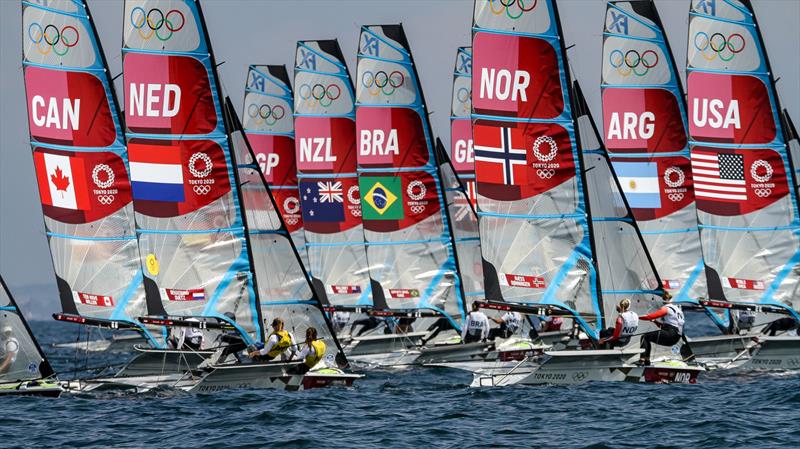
[(381, 197)]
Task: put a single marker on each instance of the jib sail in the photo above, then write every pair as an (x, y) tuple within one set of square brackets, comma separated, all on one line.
[(644, 126), (269, 128), (325, 138), (747, 208), (81, 161), (21, 358), (409, 242), (192, 236), (531, 193), (458, 175)]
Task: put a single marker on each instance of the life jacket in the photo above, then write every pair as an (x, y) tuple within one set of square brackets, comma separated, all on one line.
[(319, 352), (630, 323), (674, 317), (284, 341)]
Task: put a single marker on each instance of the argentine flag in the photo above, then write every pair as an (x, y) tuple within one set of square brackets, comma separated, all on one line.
[(639, 181)]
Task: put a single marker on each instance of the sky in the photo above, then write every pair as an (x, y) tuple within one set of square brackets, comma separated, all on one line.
[(246, 32)]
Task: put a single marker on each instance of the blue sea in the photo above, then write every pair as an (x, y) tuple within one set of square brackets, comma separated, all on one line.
[(417, 408)]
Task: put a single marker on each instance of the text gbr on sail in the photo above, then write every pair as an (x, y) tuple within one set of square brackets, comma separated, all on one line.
[(463, 151), (376, 143), (154, 100), (316, 149), (500, 84), (632, 126), (266, 162), (64, 118), (714, 113)]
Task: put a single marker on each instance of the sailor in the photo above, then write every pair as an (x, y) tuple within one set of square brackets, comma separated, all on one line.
[(339, 320), (404, 325), (780, 325), (477, 326), (669, 319), (277, 343), (313, 351), (509, 323), (442, 324), (10, 348), (187, 337), (232, 340), (745, 319), (626, 325), (371, 322), (552, 324)]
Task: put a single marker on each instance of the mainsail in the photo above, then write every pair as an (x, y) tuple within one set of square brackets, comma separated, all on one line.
[(81, 167), (192, 237), (531, 192), (283, 286), (410, 247), (747, 208), (21, 358), (644, 119), (269, 128), (458, 176), (624, 263), (325, 135)]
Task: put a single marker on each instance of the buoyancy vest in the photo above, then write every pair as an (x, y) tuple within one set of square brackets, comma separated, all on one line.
[(630, 323), (284, 341), (317, 354), (674, 317)]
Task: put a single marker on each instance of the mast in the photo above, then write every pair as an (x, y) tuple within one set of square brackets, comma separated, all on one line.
[(747, 207), (80, 158), (410, 247), (535, 222), (325, 137)]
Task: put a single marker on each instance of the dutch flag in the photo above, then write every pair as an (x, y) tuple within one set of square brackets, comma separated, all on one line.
[(156, 173)]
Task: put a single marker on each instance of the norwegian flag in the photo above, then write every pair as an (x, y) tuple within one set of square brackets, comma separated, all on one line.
[(519, 160), (523, 281)]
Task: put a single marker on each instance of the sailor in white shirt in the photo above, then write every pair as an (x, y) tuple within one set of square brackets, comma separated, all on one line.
[(509, 323), (9, 347), (188, 337), (476, 327)]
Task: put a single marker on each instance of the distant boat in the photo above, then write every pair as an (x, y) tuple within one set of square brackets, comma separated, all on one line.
[(24, 369)]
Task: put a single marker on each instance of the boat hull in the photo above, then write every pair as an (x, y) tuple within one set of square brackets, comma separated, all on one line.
[(31, 388), (149, 361), (776, 353), (268, 376)]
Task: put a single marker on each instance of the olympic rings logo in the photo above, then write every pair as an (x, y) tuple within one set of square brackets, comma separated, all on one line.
[(158, 24), (416, 210), (320, 94), (202, 190), (633, 62), (266, 113), (105, 199), (462, 95), (47, 39), (381, 82), (718, 43), (506, 7)]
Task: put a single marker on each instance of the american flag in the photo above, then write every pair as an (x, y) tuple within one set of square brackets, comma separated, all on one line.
[(719, 176), (330, 192)]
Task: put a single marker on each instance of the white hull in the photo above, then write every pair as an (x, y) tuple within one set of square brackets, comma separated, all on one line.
[(748, 352), (776, 353), (123, 343), (270, 375), (396, 359), (155, 362)]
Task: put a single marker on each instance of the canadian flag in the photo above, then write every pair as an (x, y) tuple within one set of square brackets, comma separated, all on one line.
[(62, 181)]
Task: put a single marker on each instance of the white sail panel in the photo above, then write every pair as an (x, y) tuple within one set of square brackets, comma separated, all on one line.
[(20, 355)]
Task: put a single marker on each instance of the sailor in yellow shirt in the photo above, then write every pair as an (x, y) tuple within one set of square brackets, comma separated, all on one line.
[(313, 351), (278, 343)]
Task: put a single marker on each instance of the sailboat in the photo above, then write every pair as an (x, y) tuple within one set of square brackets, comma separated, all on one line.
[(743, 176), (80, 160), (411, 253), (24, 369), (556, 233), (218, 257)]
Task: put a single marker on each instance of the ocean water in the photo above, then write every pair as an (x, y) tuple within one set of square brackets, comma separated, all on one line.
[(416, 408)]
